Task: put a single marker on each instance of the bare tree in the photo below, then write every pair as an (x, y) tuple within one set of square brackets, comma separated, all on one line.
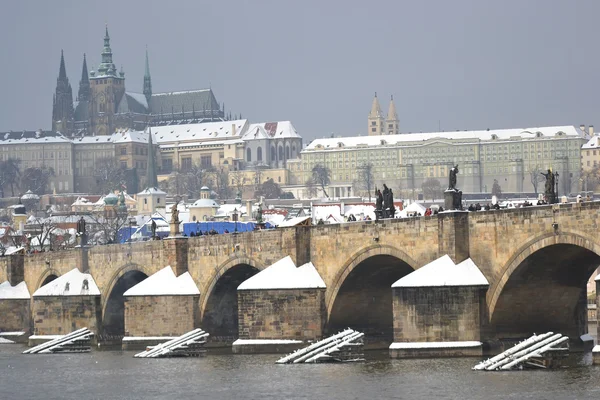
[(219, 179), (37, 179), (257, 179), (109, 175), (496, 189), (311, 188), (238, 180), (536, 177), (432, 189), (269, 190), (105, 226), (365, 180), (42, 230), (10, 174), (321, 176), (591, 178)]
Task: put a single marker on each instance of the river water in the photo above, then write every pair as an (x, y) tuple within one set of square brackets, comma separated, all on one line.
[(117, 375)]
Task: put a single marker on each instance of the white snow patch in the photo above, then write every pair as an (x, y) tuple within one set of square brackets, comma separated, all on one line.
[(596, 349), (144, 338), (13, 250), (73, 283), (165, 283), (5, 341), (17, 333), (241, 342), (284, 275), (443, 272), (434, 345), (19, 291), (587, 338), (293, 222), (45, 337)]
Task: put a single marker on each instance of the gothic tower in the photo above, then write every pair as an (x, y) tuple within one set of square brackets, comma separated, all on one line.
[(107, 90), (147, 81), (392, 123), (376, 120), (84, 84), (62, 105)]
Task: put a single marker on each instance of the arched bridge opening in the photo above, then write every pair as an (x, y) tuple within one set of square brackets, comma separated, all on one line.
[(220, 314), (114, 311), (364, 299), (49, 279), (545, 292)]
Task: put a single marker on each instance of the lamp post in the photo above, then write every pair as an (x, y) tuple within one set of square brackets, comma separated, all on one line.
[(235, 218)]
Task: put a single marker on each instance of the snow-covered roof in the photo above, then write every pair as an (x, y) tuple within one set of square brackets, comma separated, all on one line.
[(415, 207), (151, 191), (274, 130), (165, 283), (13, 249), (293, 222), (284, 275), (130, 136), (593, 143), (204, 203), (411, 138), (443, 272), (73, 283), (30, 195), (206, 131), (19, 291), (27, 137)]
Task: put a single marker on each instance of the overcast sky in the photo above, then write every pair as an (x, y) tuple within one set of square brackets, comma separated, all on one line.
[(454, 64)]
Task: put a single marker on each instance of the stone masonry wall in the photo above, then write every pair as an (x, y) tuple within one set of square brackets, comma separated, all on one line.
[(62, 315), (437, 314), (14, 315), (3, 269), (297, 314), (160, 315)]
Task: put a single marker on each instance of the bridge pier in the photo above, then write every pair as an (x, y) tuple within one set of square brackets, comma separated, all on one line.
[(453, 235), (177, 254)]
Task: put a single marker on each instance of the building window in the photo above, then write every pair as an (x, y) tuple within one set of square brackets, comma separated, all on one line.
[(279, 179), (287, 152), (259, 154), (123, 164), (186, 164), (167, 165), (145, 201), (281, 152), (123, 151), (373, 129), (248, 154), (373, 123), (273, 153), (205, 161)]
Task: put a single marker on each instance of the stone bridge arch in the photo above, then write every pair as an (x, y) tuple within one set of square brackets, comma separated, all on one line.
[(43, 278), (112, 301), (568, 258), (360, 296), (218, 298)]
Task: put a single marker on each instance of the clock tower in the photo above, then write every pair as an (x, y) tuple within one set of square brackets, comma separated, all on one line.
[(107, 89)]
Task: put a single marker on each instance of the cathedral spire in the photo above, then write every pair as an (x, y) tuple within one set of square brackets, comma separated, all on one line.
[(392, 121), (62, 73), (375, 108), (84, 83), (147, 80), (107, 67), (62, 102), (151, 179), (376, 121)]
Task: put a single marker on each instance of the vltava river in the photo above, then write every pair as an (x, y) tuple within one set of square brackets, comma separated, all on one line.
[(117, 375)]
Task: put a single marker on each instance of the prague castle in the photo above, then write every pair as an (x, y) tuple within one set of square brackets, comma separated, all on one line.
[(104, 105)]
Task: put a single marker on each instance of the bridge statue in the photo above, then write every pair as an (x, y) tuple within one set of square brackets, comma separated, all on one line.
[(453, 196), (378, 203), (174, 224), (549, 187), (452, 178), (81, 231)]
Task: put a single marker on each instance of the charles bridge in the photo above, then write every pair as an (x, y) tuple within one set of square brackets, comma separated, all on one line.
[(537, 261)]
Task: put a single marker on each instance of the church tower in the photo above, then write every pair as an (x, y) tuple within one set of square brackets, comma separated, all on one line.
[(376, 120), (62, 105), (392, 123), (147, 81), (84, 83), (107, 90)]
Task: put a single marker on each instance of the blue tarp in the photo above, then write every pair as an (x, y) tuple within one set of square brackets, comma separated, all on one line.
[(220, 227)]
